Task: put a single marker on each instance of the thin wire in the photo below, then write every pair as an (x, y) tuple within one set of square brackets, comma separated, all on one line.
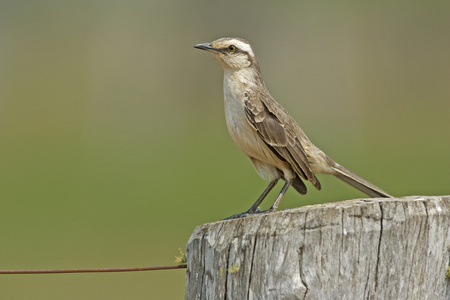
[(93, 270)]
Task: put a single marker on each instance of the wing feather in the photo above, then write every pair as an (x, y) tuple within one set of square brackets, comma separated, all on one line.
[(279, 131)]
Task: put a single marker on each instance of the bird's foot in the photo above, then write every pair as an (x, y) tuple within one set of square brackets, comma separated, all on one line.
[(244, 214), (270, 210)]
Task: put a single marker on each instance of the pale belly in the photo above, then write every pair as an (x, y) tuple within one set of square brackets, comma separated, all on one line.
[(266, 163)]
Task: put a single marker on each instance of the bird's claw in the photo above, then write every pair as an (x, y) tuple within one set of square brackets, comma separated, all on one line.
[(244, 214)]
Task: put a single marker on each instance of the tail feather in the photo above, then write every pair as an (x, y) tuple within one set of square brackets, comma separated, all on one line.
[(358, 182), (299, 185)]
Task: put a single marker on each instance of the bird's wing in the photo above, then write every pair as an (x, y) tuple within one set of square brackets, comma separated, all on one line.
[(278, 130)]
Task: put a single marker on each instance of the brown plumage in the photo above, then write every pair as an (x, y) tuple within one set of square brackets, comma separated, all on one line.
[(277, 128), (275, 144)]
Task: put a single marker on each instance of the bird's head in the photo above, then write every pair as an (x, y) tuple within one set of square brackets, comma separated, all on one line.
[(232, 53)]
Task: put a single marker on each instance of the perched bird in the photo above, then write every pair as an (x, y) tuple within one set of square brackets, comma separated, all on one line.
[(272, 140)]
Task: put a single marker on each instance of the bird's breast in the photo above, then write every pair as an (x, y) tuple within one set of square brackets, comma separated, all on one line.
[(243, 134), (239, 128)]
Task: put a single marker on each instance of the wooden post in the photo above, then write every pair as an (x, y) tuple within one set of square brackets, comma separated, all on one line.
[(357, 249)]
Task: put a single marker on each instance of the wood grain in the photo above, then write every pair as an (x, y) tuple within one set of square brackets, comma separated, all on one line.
[(358, 249)]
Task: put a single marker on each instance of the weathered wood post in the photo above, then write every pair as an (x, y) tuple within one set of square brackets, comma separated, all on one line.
[(357, 249)]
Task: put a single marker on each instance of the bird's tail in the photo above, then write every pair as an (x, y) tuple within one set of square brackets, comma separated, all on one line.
[(358, 182)]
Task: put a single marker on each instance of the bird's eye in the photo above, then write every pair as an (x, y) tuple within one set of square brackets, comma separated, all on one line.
[(232, 48)]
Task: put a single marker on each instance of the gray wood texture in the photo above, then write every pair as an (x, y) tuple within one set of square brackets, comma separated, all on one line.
[(358, 249)]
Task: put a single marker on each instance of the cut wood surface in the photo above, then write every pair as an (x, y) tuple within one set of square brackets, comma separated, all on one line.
[(358, 249)]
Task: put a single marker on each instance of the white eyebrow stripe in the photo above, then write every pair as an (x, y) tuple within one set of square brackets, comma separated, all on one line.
[(243, 46)]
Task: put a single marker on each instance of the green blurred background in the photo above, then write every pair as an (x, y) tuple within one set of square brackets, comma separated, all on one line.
[(113, 144)]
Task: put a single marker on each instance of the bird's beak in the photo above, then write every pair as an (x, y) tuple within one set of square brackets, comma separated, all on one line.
[(207, 47)]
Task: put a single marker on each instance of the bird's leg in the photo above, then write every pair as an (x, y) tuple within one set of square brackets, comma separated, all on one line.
[(255, 206), (280, 196)]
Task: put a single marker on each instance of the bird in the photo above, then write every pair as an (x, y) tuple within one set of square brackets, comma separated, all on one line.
[(266, 133)]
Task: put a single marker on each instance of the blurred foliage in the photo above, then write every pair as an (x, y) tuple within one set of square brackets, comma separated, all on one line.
[(113, 144)]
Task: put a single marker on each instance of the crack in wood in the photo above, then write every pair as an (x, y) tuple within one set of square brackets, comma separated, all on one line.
[(251, 267), (377, 266), (300, 270), (225, 272)]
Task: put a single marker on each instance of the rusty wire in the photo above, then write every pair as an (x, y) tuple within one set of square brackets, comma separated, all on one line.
[(101, 270)]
